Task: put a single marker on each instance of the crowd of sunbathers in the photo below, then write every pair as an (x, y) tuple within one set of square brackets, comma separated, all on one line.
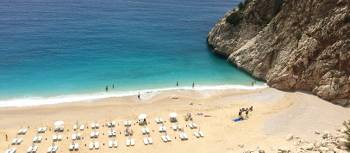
[(244, 112)]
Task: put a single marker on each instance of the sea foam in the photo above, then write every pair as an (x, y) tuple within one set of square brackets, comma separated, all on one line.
[(89, 97)]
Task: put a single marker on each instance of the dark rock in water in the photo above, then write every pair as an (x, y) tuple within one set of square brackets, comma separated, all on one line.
[(292, 44)]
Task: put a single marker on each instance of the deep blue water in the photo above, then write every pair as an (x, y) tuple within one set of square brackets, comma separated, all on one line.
[(57, 47)]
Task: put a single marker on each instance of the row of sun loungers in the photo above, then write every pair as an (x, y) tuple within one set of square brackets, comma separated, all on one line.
[(81, 127), (74, 146), (32, 149), (11, 150), (57, 137), (147, 141), (111, 124), (145, 130), (198, 134), (166, 138), (37, 139), (94, 134), (130, 142), (17, 141), (111, 133), (76, 136), (22, 131), (94, 145), (192, 125), (52, 149), (162, 128), (95, 126), (112, 144)]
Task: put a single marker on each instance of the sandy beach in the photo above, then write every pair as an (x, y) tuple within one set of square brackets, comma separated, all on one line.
[(276, 114)]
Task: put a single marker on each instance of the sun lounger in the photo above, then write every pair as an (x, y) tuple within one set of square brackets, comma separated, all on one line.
[(175, 127), (76, 146), (164, 138), (168, 138), (14, 141), (196, 134), (150, 141), (91, 145), (81, 128), (132, 142), (127, 142), (159, 120), (97, 145), (192, 125), (183, 136), (145, 130), (162, 128), (145, 141), (71, 147), (201, 133)]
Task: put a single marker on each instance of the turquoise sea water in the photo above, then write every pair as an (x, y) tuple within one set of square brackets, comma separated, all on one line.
[(59, 47)]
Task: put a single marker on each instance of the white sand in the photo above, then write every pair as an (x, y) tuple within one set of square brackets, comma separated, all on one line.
[(275, 115)]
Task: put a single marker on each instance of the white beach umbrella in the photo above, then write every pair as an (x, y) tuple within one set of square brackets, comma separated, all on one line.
[(173, 115), (58, 123), (142, 116)]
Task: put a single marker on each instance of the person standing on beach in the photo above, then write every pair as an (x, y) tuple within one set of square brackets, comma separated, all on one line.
[(6, 137), (139, 96)]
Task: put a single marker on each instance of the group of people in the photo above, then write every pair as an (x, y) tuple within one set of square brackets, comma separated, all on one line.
[(107, 87), (244, 112), (177, 84)]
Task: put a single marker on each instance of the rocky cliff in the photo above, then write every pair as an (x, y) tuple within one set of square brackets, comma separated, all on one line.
[(292, 44)]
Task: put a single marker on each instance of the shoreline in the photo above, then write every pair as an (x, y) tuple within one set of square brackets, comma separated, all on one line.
[(88, 97)]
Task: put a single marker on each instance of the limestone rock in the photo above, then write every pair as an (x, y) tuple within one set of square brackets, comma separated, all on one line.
[(292, 44)]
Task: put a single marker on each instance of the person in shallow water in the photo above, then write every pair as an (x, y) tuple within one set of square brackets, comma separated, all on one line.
[(177, 83), (113, 86), (106, 88), (192, 84)]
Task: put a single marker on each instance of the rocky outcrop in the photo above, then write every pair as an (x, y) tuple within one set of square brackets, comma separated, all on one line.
[(292, 44)]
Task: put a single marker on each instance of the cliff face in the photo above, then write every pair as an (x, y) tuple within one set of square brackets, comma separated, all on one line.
[(292, 44)]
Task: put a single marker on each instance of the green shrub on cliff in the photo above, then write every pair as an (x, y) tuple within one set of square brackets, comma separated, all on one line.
[(347, 133), (234, 18)]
